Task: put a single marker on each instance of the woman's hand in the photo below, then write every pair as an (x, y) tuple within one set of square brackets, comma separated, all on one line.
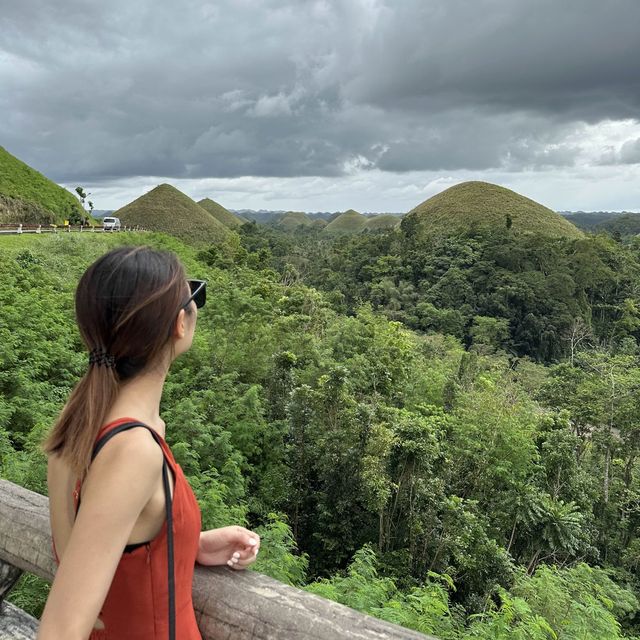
[(234, 546)]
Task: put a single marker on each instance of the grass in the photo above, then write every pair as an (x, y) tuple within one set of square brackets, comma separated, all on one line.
[(30, 594), (384, 221), (64, 245), (168, 210), (69, 242), (483, 205), (28, 196), (221, 214), (293, 219), (348, 222), (20, 241)]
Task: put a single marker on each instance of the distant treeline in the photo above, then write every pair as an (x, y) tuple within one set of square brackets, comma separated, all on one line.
[(596, 220)]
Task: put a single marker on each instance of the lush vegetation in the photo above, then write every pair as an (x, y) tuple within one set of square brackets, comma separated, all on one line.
[(168, 210), (473, 206), (440, 432), (538, 297), (27, 196), (622, 226), (589, 220)]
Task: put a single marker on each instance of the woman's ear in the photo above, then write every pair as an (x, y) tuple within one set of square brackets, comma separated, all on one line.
[(180, 327)]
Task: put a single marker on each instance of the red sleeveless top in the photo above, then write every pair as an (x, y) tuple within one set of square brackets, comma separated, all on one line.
[(137, 604)]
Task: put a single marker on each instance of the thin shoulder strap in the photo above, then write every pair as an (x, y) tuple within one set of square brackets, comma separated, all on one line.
[(168, 508), (123, 427)]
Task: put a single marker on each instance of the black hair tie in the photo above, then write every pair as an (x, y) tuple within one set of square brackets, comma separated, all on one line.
[(102, 358)]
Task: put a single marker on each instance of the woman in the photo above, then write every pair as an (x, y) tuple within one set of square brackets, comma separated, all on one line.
[(136, 313)]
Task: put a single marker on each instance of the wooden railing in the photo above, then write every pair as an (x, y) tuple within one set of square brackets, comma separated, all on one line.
[(18, 228), (228, 604)]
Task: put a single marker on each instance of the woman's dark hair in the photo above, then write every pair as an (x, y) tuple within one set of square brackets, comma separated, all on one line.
[(127, 303)]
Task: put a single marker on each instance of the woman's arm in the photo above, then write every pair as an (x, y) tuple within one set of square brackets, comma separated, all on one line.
[(121, 481), (234, 546)]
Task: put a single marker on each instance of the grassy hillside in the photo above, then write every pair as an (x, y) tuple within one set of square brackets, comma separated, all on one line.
[(474, 205), (348, 222), (294, 219), (382, 222), (221, 214), (168, 210), (28, 196)]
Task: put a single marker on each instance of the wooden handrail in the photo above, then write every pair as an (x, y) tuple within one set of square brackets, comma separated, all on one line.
[(228, 604)]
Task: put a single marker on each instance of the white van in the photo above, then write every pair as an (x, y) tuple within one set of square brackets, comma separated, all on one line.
[(111, 224)]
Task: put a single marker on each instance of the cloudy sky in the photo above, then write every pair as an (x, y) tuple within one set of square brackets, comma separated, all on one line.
[(326, 105)]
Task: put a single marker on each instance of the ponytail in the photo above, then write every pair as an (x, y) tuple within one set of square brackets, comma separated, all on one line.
[(127, 303), (74, 432)]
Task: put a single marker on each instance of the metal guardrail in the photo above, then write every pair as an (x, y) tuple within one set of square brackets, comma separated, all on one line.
[(18, 228)]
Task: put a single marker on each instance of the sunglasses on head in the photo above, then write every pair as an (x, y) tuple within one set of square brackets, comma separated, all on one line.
[(198, 293)]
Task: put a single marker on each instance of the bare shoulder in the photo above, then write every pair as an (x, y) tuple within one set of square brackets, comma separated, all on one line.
[(132, 451), (137, 438)]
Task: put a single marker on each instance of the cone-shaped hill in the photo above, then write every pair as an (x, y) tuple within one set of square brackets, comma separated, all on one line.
[(293, 219), (384, 221), (475, 205), (27, 196), (170, 211), (221, 214), (348, 222)]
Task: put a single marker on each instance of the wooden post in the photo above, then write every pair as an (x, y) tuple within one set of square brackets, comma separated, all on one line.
[(15, 624), (20, 228), (9, 575)]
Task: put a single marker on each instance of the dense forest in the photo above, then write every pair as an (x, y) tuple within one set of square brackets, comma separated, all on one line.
[(440, 431)]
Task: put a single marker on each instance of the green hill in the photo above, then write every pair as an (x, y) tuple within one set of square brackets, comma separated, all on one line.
[(382, 222), (293, 219), (28, 196), (481, 205), (167, 209), (221, 214), (348, 222)]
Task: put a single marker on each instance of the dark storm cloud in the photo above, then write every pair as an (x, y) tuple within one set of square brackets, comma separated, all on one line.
[(572, 58), (117, 89)]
